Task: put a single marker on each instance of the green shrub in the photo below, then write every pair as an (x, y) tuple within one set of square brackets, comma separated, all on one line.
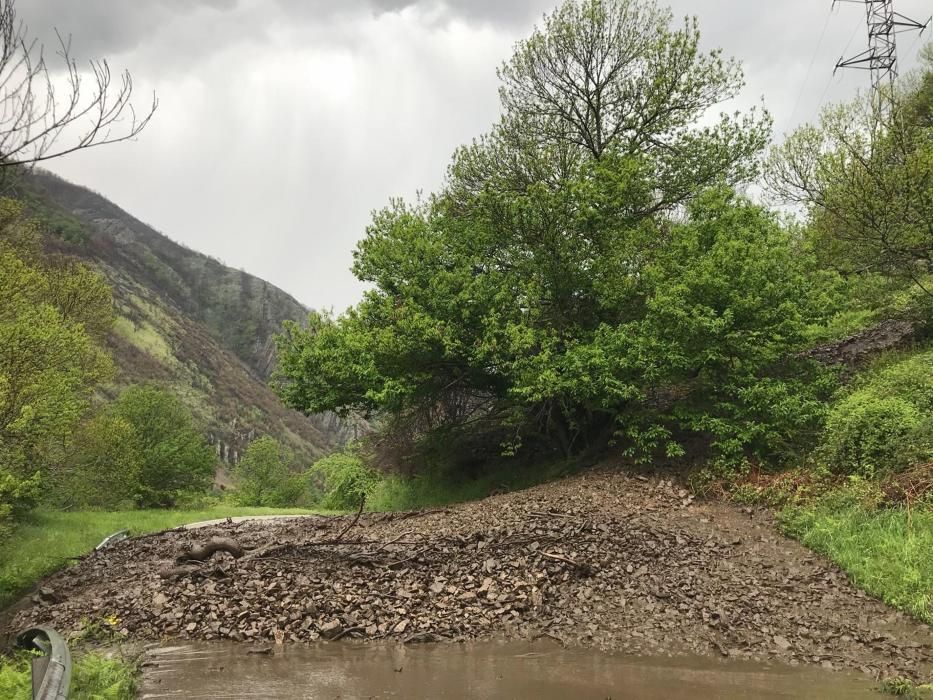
[(101, 678), (909, 378), (884, 424), (204, 500), (15, 677), (17, 496), (105, 466), (347, 480), (263, 477), (175, 458), (906, 688), (869, 435), (95, 677)]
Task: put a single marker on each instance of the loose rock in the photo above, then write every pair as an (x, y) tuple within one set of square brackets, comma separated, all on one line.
[(600, 560)]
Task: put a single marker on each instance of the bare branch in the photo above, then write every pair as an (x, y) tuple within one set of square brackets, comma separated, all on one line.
[(46, 113)]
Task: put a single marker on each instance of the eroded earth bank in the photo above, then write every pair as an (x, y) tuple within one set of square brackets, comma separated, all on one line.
[(604, 559)]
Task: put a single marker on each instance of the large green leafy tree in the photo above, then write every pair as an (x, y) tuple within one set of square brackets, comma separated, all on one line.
[(865, 177), (104, 467), (587, 271), (263, 477), (174, 457), (53, 316)]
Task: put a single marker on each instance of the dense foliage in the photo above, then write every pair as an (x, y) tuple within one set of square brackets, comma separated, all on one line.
[(263, 476), (588, 273), (865, 177), (94, 677), (884, 423), (347, 480), (175, 458), (54, 314), (105, 465), (142, 450)]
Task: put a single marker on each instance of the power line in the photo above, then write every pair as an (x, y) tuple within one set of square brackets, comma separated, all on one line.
[(910, 49), (851, 36), (806, 80), (829, 80)]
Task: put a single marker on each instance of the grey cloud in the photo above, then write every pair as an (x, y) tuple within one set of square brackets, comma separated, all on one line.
[(283, 123), (103, 27), (496, 12)]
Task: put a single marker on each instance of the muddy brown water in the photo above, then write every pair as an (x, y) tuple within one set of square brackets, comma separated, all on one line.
[(225, 671)]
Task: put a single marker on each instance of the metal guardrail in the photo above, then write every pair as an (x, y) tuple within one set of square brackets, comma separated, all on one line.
[(51, 672), (115, 537)]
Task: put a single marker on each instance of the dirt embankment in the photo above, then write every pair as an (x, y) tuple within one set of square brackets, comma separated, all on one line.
[(603, 559)]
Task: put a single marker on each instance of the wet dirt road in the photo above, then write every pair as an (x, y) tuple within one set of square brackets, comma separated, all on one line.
[(226, 671)]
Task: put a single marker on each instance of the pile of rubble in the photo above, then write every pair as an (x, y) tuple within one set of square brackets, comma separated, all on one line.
[(605, 560)]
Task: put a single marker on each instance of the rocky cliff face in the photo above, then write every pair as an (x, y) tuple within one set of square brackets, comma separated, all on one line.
[(186, 321)]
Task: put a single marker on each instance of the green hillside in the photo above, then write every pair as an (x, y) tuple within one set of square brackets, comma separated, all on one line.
[(185, 321)]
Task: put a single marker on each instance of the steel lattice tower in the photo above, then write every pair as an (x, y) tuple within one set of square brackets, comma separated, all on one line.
[(884, 24)]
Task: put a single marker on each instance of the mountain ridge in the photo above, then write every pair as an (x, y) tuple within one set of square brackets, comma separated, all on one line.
[(185, 320)]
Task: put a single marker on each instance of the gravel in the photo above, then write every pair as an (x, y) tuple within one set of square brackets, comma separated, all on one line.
[(605, 560)]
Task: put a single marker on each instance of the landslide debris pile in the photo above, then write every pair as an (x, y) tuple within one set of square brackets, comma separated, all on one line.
[(604, 560)]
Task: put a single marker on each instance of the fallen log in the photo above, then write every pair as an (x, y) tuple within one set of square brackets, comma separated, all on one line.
[(203, 552), (192, 560)]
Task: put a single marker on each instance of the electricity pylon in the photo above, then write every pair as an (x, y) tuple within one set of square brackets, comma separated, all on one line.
[(884, 24)]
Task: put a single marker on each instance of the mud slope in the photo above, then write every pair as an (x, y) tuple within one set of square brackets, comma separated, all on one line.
[(603, 559)]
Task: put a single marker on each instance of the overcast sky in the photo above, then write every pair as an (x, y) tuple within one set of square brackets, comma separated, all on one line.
[(283, 123)]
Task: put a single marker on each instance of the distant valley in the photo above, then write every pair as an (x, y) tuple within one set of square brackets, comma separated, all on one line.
[(185, 321)]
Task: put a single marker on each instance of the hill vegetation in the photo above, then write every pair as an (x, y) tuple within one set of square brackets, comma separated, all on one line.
[(591, 277), (590, 274), (184, 321)]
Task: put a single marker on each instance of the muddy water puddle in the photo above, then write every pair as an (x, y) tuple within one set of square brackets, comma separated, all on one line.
[(490, 670)]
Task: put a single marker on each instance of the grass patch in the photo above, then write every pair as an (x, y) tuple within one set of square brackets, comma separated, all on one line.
[(886, 551), (44, 542), (904, 688), (144, 336), (100, 678), (440, 489), (94, 677)]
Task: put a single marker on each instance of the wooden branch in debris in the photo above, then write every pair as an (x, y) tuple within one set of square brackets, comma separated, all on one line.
[(203, 552), (174, 572), (417, 554), (348, 630), (391, 517), (583, 567), (354, 521), (189, 561), (552, 514), (270, 550), (559, 557), (192, 561)]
